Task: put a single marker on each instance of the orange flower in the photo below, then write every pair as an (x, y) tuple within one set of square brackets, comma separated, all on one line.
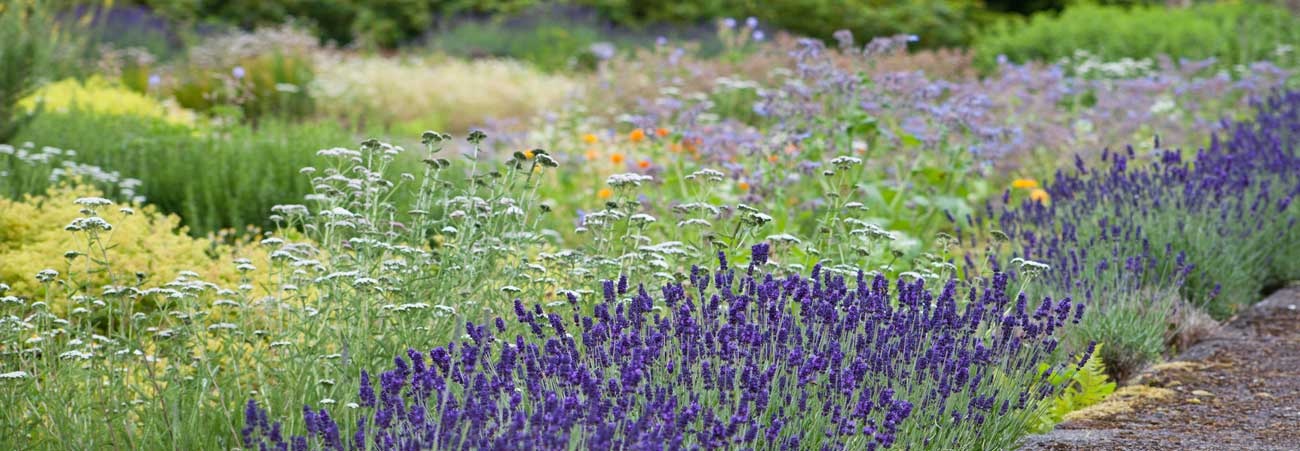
[(744, 186), (661, 132), (675, 147), (616, 158), (693, 144), (637, 135), (771, 158), (592, 154), (604, 193), (643, 164), (1024, 183), (590, 138), (1038, 195)]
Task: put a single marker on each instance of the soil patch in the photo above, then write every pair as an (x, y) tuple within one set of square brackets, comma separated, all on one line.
[(1237, 390)]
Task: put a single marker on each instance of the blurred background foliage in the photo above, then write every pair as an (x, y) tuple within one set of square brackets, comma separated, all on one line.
[(1199, 31), (146, 86), (553, 34)]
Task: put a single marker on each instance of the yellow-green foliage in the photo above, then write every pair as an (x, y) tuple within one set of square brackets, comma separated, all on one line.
[(99, 96), (441, 92), (32, 238), (1086, 386)]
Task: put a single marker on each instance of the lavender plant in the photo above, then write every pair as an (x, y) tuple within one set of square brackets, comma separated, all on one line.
[(1139, 235), (736, 358)]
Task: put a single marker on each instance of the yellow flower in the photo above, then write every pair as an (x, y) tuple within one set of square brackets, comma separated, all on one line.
[(637, 135), (590, 138), (1024, 184), (605, 193), (1039, 195), (528, 154)]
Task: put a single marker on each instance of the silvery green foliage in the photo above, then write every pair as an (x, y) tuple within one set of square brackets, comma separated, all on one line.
[(24, 169)]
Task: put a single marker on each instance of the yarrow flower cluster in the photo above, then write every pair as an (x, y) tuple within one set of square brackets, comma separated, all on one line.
[(730, 359)]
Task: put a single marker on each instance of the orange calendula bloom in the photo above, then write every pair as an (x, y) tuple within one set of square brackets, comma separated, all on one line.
[(616, 158), (637, 135), (744, 186), (605, 193), (693, 144), (592, 154), (675, 147), (1024, 183), (772, 158), (1039, 195), (590, 138), (661, 132), (643, 164)]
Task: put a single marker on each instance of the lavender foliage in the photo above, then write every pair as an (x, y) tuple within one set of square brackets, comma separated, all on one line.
[(733, 359)]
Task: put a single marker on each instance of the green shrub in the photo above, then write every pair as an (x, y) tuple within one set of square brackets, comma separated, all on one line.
[(938, 23), (213, 180), (382, 23), (256, 74), (266, 85), (1033, 6), (550, 46), (1233, 33), (1132, 324), (25, 40)]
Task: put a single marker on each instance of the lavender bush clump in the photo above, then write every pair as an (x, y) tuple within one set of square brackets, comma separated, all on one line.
[(1134, 239), (732, 359)]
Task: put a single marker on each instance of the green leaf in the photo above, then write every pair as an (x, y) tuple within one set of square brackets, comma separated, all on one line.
[(909, 140)]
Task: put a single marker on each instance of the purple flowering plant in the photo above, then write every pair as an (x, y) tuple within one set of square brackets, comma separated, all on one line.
[(1146, 235), (733, 358)]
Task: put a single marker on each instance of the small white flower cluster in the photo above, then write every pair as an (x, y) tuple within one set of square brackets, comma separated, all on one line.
[(1030, 266), (12, 375), (1086, 64), (89, 224), (707, 175), (627, 180)]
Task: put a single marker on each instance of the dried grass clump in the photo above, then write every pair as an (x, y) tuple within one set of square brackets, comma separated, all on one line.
[(1188, 326), (438, 92), (1124, 400)]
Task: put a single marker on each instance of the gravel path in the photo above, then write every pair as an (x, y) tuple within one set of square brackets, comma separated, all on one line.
[(1237, 390)]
